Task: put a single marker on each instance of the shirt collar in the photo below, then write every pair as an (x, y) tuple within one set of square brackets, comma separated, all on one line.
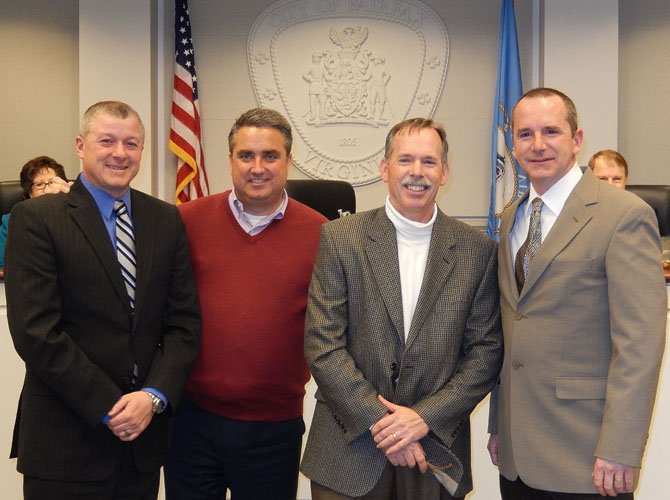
[(237, 204), (237, 207), (404, 224), (555, 197), (104, 200)]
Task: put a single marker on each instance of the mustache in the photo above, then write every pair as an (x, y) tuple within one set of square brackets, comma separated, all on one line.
[(417, 182)]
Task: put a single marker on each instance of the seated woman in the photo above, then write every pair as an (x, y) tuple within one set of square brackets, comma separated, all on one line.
[(39, 176)]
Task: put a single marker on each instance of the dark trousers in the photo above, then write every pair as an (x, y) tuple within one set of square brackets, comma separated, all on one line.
[(210, 454), (518, 490), (125, 484), (395, 483)]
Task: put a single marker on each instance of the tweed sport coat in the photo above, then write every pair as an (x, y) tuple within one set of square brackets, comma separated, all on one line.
[(70, 320), (583, 341), (355, 345)]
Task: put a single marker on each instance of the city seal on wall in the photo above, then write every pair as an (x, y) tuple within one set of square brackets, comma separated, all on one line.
[(343, 71)]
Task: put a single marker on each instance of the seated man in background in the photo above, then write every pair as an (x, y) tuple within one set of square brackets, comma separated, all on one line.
[(41, 175), (611, 167)]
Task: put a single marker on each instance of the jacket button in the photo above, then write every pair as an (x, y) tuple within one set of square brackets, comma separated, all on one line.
[(518, 316), (517, 364)]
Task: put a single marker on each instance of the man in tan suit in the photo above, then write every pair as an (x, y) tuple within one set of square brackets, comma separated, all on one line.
[(583, 320), (402, 335)]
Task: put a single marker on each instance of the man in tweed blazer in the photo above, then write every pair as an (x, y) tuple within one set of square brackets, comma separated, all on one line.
[(88, 426), (402, 336)]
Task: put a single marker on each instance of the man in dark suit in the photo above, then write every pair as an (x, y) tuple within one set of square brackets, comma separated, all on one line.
[(402, 336), (583, 316), (106, 352)]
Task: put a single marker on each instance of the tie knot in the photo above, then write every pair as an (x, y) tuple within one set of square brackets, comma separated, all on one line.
[(120, 207), (537, 203)]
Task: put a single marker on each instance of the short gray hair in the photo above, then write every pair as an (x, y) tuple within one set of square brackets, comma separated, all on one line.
[(412, 124), (117, 109)]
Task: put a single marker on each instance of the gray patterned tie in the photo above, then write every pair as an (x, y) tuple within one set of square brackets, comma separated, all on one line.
[(125, 248), (532, 244)]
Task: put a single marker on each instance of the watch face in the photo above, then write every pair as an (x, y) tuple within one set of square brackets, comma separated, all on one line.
[(158, 405)]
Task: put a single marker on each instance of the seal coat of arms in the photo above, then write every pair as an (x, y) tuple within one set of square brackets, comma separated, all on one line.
[(343, 71)]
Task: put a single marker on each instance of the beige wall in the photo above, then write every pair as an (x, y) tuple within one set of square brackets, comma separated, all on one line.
[(116, 62), (38, 88), (571, 63), (644, 85)]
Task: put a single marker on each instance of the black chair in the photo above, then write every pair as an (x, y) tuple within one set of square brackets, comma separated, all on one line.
[(10, 194), (330, 198), (658, 197)]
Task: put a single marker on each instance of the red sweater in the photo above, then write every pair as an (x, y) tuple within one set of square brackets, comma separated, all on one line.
[(253, 296)]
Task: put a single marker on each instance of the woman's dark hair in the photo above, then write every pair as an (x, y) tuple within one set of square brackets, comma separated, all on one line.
[(34, 167)]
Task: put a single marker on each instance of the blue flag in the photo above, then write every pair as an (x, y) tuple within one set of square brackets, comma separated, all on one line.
[(508, 181)]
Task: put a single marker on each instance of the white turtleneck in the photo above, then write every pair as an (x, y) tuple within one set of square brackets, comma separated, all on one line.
[(413, 243)]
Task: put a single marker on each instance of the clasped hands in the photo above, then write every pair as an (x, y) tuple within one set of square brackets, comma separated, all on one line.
[(130, 415), (398, 433)]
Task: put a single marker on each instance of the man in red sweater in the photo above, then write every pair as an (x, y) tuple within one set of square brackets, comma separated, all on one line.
[(239, 426)]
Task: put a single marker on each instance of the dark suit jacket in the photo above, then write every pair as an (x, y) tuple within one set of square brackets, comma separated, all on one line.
[(583, 341), (71, 322), (355, 345)]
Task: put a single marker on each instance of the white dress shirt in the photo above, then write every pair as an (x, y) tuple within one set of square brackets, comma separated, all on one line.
[(554, 199)]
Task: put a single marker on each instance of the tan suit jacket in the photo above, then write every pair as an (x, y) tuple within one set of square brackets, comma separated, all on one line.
[(355, 346), (583, 341)]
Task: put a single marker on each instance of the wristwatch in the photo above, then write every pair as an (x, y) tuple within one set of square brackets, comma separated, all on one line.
[(157, 405)]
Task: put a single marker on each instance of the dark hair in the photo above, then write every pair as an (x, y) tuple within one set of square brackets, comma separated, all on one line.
[(610, 154), (34, 167), (549, 92), (416, 124), (262, 118)]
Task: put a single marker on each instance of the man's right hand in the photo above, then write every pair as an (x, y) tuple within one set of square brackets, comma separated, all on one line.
[(492, 446), (410, 456), (58, 185), (130, 415)]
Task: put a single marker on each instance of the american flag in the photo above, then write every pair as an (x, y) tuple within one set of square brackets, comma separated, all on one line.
[(185, 130)]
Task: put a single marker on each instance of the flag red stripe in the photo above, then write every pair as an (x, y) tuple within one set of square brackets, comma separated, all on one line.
[(186, 130)]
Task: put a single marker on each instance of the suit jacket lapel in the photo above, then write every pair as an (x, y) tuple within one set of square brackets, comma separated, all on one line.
[(382, 252), (143, 226), (438, 269), (86, 215), (576, 213)]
